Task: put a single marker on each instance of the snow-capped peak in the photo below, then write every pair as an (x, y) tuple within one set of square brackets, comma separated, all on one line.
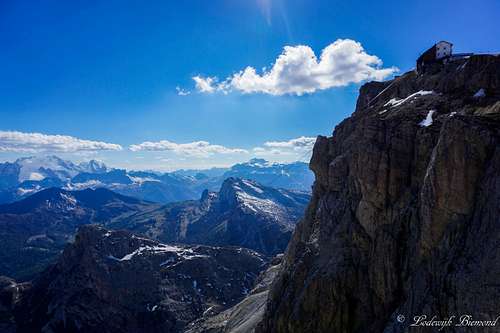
[(258, 163), (40, 167), (93, 166), (251, 196)]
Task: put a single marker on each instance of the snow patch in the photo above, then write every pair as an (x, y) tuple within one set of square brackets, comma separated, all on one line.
[(462, 66), (255, 204), (36, 176), (395, 102), (39, 237), (82, 186), (142, 180), (480, 93), (23, 191), (284, 173), (69, 199), (252, 186), (183, 253), (428, 120), (207, 311), (162, 248)]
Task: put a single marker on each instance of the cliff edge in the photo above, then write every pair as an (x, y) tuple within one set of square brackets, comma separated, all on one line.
[(404, 215)]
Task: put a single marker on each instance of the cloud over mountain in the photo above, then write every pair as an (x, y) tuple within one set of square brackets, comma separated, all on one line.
[(196, 148), (14, 141), (298, 71), (299, 147), (301, 143)]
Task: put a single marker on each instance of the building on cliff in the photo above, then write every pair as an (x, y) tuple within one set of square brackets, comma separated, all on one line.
[(439, 52)]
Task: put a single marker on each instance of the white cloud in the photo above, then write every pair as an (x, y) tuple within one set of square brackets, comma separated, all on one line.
[(263, 152), (14, 141), (205, 85), (299, 148), (301, 143), (181, 91), (197, 148), (298, 71)]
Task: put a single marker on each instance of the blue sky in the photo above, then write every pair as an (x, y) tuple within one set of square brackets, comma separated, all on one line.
[(107, 72)]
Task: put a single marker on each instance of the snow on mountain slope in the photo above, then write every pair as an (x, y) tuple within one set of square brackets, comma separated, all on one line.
[(243, 213), (29, 175), (40, 167)]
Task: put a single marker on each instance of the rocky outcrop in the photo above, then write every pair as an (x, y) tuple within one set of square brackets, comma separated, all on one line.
[(243, 213), (114, 281), (404, 215), (10, 293), (35, 230), (244, 316)]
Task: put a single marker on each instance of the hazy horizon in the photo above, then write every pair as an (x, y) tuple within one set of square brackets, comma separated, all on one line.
[(166, 169)]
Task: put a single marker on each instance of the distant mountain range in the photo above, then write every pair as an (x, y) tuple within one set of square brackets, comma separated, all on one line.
[(29, 175), (244, 213)]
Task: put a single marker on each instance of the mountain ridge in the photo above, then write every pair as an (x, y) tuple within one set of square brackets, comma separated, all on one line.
[(29, 175), (37, 228), (109, 281), (243, 213)]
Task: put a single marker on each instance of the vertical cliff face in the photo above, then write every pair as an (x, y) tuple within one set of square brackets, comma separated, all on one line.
[(404, 214)]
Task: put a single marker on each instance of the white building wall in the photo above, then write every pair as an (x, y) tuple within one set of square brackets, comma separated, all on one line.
[(443, 49)]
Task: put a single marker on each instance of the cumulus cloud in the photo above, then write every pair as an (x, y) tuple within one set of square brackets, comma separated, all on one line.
[(301, 143), (197, 148), (299, 147), (182, 92), (298, 71), (14, 141), (206, 85), (263, 152)]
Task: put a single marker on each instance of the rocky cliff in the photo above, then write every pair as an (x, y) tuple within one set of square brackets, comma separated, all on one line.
[(246, 315), (243, 213), (114, 281), (404, 215), (35, 230)]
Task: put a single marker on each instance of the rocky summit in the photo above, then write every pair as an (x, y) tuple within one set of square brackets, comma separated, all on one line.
[(404, 215), (243, 213), (35, 230), (114, 281)]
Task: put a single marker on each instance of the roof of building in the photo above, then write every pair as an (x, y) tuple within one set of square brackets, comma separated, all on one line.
[(444, 41)]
